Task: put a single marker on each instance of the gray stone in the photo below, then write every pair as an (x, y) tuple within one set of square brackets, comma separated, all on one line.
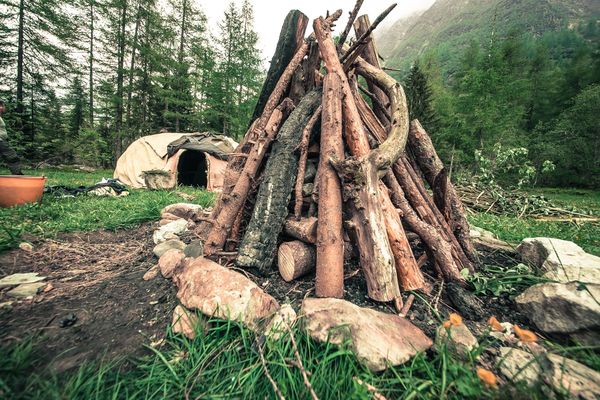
[(163, 247), (561, 307), (187, 211), (577, 379), (551, 254), (168, 230), (379, 340), (26, 289), (218, 291), (572, 273), (477, 232), (458, 339), (20, 278), (519, 366), (194, 249)]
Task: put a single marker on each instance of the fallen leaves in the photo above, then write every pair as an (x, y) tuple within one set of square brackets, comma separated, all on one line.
[(525, 335), (495, 324), (487, 377), (453, 320)]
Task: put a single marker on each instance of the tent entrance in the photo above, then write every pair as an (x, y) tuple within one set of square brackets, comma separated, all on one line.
[(192, 169)]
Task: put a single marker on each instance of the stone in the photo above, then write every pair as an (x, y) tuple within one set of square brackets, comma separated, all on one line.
[(26, 247), (20, 278), (571, 273), (519, 366), (169, 262), (167, 216), (378, 339), (477, 232), (194, 249), (285, 316), (187, 211), (220, 292), (26, 289), (551, 254), (561, 307), (167, 231), (151, 273), (580, 381), (458, 339), (184, 322), (161, 248)]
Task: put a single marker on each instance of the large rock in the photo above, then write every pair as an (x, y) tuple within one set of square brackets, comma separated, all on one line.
[(170, 262), (26, 289), (168, 231), (551, 254), (281, 322), (561, 307), (163, 247), (186, 211), (185, 322), (218, 291), (379, 340), (571, 273), (569, 375), (519, 366)]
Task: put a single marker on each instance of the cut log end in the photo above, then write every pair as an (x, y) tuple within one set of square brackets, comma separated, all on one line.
[(295, 259)]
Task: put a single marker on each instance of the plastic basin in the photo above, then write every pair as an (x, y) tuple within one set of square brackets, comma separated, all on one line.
[(17, 189)]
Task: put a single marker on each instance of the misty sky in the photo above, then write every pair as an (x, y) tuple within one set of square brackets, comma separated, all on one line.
[(269, 14)]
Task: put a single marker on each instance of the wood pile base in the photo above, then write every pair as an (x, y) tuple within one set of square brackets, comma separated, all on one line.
[(325, 176)]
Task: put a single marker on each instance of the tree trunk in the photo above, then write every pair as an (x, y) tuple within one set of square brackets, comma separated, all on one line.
[(431, 165), (120, 79), (91, 70), (234, 201), (20, 59), (259, 243), (369, 54), (360, 176), (290, 40), (295, 259), (329, 280), (132, 65)]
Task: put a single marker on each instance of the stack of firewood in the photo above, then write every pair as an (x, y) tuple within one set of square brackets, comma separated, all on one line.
[(332, 170)]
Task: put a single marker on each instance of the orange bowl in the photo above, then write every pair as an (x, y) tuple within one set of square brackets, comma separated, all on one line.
[(18, 189)]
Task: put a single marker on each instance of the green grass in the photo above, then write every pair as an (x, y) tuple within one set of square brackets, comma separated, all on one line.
[(585, 234), (225, 363), (86, 213)]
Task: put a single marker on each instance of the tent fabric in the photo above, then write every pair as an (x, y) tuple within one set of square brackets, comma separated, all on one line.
[(162, 151)]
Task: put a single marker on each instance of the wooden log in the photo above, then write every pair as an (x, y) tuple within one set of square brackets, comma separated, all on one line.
[(295, 259), (440, 249), (302, 162), (234, 201), (451, 206), (329, 280), (259, 244), (346, 31), (304, 229), (361, 183), (290, 40), (369, 54)]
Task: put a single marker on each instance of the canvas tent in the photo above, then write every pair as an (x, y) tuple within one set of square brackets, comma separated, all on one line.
[(197, 159)]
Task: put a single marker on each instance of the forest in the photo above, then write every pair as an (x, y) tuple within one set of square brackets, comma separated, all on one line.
[(520, 107), (87, 77)]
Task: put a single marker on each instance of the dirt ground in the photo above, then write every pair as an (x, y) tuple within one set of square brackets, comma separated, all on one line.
[(97, 278), (99, 305)]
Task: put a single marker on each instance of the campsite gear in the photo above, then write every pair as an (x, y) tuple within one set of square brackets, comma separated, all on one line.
[(16, 190), (197, 159), (106, 187)]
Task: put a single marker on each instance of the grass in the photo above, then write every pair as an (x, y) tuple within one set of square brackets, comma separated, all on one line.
[(86, 213), (585, 234), (225, 361)]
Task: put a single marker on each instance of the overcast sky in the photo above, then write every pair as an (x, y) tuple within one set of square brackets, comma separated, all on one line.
[(269, 14)]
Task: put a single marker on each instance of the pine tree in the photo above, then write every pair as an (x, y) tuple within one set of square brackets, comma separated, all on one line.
[(419, 98)]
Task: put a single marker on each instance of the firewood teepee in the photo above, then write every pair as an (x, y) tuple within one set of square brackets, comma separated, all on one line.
[(324, 176)]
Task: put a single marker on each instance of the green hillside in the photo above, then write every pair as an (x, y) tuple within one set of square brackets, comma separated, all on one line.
[(448, 26)]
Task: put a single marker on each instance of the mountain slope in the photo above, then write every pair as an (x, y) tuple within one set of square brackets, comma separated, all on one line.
[(450, 25)]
